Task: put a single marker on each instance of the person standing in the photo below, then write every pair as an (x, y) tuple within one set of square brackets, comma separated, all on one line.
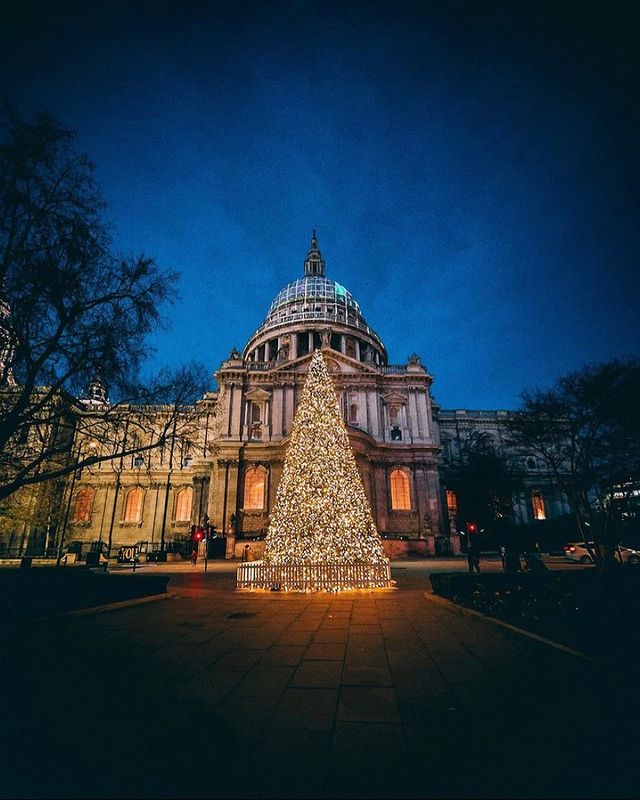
[(473, 552)]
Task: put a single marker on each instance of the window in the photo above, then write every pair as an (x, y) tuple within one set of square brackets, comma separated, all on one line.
[(452, 502), (400, 494), (254, 488), (353, 414), (531, 463), (183, 505), (133, 506), (537, 502), (396, 434), (83, 506)]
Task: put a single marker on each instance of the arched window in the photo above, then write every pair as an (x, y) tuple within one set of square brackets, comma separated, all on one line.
[(133, 506), (537, 503), (400, 491), (183, 504), (83, 505), (254, 481), (452, 503)]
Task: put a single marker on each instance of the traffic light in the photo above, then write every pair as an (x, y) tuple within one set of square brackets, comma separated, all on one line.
[(472, 527), (197, 532)]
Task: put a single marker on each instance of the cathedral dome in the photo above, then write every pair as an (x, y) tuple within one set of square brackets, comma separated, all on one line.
[(313, 297), (316, 302)]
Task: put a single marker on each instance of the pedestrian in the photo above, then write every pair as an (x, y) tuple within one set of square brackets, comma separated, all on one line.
[(512, 557), (473, 552), (194, 557), (534, 562)]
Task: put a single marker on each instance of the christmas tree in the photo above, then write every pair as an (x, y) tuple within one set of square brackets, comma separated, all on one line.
[(321, 515)]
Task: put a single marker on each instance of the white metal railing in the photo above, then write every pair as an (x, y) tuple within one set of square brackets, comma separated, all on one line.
[(313, 577)]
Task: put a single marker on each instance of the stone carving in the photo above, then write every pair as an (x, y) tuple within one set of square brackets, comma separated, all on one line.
[(283, 352)]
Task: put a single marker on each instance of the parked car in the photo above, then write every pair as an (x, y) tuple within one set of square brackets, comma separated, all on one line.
[(577, 551)]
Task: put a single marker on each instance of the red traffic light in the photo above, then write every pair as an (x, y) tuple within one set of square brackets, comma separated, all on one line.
[(472, 527)]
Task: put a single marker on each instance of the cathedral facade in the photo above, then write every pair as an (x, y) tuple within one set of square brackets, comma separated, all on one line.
[(223, 467)]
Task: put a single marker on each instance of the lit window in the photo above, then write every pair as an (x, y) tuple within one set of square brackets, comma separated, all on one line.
[(400, 494), (537, 502), (183, 505), (254, 488), (83, 506), (452, 502), (133, 506)]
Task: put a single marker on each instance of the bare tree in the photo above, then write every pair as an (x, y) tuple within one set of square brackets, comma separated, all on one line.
[(71, 310), (586, 430), (484, 481)]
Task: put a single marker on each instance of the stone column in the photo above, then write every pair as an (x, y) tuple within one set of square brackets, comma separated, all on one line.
[(288, 409), (236, 425), (276, 414), (424, 409), (415, 415)]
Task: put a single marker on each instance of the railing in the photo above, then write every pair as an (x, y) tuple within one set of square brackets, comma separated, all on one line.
[(316, 316), (313, 577), (461, 413), (393, 369)]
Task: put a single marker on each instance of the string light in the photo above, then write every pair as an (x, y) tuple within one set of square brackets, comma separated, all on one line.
[(321, 529)]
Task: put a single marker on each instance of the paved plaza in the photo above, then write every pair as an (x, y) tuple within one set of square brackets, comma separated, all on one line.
[(217, 693)]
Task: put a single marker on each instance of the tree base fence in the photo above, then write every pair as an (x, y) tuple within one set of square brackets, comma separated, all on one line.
[(313, 577)]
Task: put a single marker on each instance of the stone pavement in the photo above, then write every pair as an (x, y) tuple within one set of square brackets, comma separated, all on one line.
[(217, 693)]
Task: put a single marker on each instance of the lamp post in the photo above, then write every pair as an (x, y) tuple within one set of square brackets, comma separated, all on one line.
[(117, 492), (78, 456), (168, 487)]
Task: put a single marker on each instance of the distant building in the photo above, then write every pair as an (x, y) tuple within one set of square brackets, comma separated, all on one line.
[(223, 465)]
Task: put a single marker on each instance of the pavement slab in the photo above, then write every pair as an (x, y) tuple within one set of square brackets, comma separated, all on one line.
[(219, 693)]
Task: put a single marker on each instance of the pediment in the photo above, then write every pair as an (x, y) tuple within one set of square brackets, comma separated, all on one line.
[(336, 363), (394, 399), (257, 394)]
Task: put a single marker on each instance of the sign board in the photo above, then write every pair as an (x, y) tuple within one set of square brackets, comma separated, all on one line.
[(128, 554)]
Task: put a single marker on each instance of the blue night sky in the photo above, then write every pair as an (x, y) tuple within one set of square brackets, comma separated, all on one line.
[(471, 167)]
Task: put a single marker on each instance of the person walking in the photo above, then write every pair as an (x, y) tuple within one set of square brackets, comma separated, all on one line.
[(473, 552), (194, 557)]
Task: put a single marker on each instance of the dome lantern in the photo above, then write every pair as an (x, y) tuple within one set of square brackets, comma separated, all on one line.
[(314, 265)]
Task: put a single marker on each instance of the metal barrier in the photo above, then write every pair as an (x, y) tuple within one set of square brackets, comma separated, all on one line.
[(313, 577)]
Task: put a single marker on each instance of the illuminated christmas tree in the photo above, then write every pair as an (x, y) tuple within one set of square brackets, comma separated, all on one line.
[(321, 534)]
